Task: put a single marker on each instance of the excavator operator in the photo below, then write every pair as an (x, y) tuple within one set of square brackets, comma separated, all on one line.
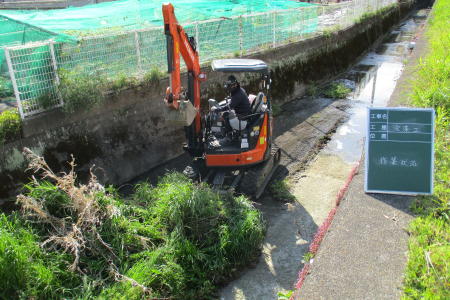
[(239, 102)]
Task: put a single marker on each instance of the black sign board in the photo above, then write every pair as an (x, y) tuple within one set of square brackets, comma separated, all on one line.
[(399, 151)]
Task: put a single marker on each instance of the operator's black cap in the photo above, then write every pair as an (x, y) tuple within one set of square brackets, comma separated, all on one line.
[(231, 80)]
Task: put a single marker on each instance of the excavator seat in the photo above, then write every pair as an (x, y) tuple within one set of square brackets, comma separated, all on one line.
[(259, 103), (256, 106)]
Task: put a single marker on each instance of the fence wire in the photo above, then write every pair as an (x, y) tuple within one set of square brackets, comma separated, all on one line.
[(35, 68)]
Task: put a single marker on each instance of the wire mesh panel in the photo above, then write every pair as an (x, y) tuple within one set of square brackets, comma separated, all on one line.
[(14, 34), (352, 13), (310, 21), (107, 55), (332, 17), (35, 78), (359, 9), (219, 38), (385, 3), (152, 46), (136, 53), (288, 26), (257, 32)]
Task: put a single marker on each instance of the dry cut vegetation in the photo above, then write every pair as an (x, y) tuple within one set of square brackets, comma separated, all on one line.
[(178, 240)]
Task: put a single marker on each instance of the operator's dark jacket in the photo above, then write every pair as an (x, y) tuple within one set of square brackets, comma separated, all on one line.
[(239, 102)]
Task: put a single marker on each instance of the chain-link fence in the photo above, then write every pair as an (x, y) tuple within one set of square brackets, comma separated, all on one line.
[(35, 68)]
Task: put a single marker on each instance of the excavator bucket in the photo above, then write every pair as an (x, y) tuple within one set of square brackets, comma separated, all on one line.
[(183, 116)]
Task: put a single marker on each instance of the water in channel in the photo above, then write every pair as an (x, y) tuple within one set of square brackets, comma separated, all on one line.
[(373, 81)]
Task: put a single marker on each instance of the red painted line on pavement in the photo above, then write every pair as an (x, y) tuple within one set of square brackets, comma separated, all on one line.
[(323, 229)]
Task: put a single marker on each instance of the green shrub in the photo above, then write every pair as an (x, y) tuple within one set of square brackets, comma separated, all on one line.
[(122, 83), (81, 92), (337, 91), (276, 109), (154, 76), (45, 100), (10, 125), (312, 91)]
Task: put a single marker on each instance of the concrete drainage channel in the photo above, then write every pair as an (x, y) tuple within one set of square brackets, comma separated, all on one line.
[(315, 185), (322, 140)]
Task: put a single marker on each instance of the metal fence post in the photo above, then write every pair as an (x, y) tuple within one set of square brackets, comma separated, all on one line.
[(323, 19), (13, 81), (55, 67), (138, 54), (340, 18), (274, 29), (346, 15), (301, 23), (240, 36), (196, 37)]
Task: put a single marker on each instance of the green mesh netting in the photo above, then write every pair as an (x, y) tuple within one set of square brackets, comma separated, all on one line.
[(109, 48), (135, 14), (18, 27)]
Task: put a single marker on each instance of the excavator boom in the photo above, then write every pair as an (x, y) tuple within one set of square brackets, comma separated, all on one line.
[(182, 108)]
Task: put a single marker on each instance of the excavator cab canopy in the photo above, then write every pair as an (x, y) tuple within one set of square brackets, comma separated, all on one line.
[(240, 65)]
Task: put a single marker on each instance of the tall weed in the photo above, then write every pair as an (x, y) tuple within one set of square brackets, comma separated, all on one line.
[(26, 270), (428, 272), (178, 240), (432, 89)]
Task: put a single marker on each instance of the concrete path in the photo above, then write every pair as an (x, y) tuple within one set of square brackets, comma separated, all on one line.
[(364, 253)]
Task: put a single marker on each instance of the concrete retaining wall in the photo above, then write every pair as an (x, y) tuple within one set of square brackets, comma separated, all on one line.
[(127, 135)]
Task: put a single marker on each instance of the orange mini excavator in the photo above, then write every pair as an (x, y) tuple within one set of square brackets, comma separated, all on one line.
[(245, 160)]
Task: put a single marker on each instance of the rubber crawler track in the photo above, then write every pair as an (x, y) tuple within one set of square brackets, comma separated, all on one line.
[(256, 178)]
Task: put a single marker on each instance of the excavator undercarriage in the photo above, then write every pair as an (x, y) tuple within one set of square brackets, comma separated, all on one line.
[(250, 180)]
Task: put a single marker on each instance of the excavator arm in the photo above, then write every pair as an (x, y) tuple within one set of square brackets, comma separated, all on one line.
[(183, 108)]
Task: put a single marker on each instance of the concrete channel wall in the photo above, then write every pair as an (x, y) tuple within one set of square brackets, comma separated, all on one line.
[(127, 136)]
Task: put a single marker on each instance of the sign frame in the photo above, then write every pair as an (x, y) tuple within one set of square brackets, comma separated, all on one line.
[(371, 139)]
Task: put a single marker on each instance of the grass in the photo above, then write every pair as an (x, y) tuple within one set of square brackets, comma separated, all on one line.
[(280, 189), (178, 240), (428, 273)]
